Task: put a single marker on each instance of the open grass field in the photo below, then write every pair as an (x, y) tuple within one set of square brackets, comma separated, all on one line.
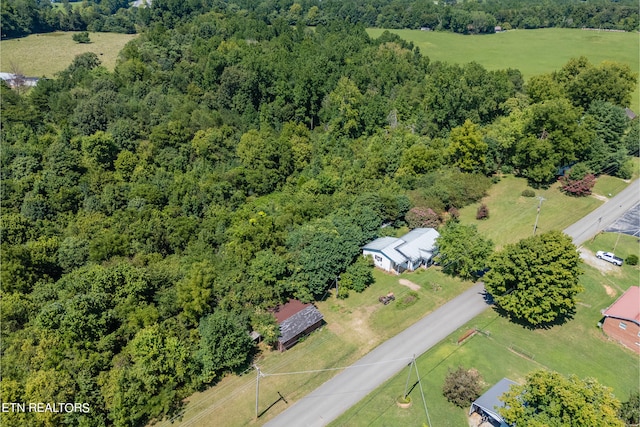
[(532, 52), (43, 55), (504, 349), (512, 216)]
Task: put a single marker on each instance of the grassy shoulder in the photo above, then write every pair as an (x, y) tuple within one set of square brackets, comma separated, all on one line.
[(512, 216), (503, 349), (43, 55)]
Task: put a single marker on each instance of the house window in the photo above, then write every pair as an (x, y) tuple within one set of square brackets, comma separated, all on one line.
[(378, 258), (623, 325)]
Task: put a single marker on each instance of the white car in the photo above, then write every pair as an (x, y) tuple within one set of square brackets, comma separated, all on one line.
[(608, 256)]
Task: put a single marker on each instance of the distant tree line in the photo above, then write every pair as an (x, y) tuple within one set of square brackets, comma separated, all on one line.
[(151, 216), (23, 17)]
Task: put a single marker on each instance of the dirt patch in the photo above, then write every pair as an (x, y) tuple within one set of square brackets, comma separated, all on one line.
[(603, 266), (610, 291), (409, 284)]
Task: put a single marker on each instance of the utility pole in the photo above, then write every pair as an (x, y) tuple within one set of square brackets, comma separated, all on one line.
[(535, 226)]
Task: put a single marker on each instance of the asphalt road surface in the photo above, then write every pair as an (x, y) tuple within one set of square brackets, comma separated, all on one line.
[(334, 397), (605, 215)]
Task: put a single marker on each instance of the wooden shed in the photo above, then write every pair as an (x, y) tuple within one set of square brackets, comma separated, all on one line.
[(296, 320)]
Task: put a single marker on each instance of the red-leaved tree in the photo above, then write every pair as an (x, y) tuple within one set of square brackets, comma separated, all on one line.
[(578, 187)]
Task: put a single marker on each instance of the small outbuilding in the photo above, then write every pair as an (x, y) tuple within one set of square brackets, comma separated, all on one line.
[(393, 254), (489, 403), (296, 320), (622, 319)]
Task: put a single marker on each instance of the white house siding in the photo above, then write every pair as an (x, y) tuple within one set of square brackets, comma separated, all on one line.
[(379, 260)]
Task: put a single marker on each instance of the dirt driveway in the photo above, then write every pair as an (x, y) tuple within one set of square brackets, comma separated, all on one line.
[(603, 266)]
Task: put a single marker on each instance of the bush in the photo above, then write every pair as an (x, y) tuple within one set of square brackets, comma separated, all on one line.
[(462, 386), (82, 37), (632, 259), (528, 193), (482, 212)]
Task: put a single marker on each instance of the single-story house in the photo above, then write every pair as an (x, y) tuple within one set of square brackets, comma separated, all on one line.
[(622, 319), (296, 320), (408, 252), (489, 403)]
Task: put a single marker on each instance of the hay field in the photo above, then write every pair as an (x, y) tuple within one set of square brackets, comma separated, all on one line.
[(532, 52), (43, 55)]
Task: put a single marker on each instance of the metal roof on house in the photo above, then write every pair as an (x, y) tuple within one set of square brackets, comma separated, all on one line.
[(381, 243), (417, 240), (416, 244), (489, 402), (627, 307), (299, 322)]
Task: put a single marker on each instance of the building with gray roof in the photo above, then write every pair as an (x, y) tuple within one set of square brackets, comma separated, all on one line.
[(397, 254)]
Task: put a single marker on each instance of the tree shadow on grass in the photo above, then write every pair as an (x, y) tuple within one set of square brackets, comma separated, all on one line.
[(558, 321)]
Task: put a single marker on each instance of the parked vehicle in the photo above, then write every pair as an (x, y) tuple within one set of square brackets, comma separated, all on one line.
[(608, 256)]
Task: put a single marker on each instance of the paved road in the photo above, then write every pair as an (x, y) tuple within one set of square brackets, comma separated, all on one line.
[(605, 215), (330, 400)]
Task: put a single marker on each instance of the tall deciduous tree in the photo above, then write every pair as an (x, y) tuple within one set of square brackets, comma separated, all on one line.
[(550, 399), (467, 149), (536, 280), (462, 251)]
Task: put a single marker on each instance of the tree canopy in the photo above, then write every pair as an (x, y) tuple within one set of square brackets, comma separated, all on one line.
[(535, 281), (551, 399), (462, 251)]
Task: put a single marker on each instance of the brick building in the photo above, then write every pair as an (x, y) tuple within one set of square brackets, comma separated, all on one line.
[(622, 319)]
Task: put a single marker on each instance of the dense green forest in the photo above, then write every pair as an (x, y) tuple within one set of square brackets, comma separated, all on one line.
[(152, 215), (22, 17)]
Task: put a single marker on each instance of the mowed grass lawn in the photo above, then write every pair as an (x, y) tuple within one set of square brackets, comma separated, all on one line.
[(532, 52), (43, 55), (504, 349), (512, 216)]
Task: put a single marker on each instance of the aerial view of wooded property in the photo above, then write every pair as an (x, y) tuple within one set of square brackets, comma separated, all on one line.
[(208, 210)]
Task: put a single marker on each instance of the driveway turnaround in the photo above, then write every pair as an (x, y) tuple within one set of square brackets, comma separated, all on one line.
[(334, 397)]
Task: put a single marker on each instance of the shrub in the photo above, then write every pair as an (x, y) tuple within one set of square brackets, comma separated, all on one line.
[(528, 193), (632, 259), (462, 386), (82, 37), (482, 212)]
